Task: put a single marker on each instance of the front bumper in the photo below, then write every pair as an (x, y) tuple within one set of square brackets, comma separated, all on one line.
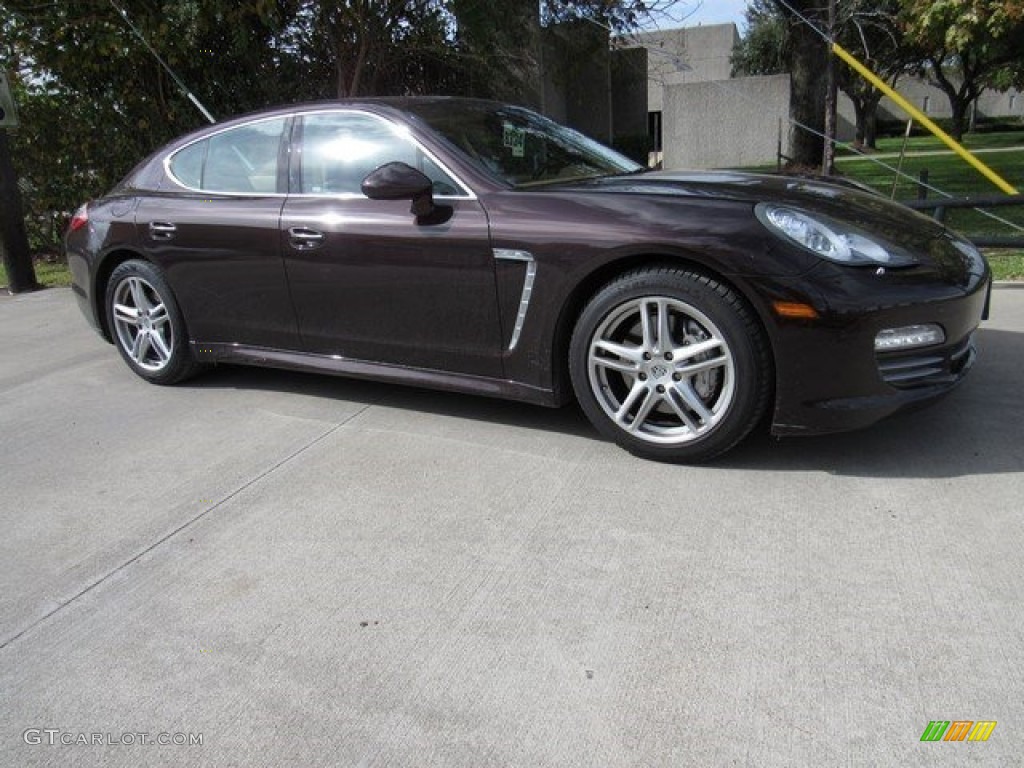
[(831, 379)]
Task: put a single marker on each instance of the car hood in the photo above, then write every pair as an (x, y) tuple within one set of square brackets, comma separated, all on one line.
[(933, 246), (837, 198)]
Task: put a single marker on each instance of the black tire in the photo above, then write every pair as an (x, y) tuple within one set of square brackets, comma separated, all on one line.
[(687, 388), (148, 328)]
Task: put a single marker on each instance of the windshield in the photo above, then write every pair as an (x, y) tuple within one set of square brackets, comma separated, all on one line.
[(520, 146)]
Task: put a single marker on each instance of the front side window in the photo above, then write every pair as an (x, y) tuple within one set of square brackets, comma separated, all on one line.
[(242, 160), (340, 149)]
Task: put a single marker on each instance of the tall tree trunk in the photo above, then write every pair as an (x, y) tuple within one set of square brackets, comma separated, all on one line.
[(807, 100), (871, 126), (17, 259), (831, 94), (341, 82), (960, 98), (357, 74), (959, 108)]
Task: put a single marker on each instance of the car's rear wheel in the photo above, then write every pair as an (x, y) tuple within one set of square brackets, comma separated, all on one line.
[(670, 364), (147, 325)]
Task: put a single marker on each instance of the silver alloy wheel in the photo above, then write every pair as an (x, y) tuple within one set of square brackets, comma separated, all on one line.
[(143, 326), (661, 370)]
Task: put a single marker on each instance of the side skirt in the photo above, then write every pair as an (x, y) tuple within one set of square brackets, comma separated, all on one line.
[(336, 365)]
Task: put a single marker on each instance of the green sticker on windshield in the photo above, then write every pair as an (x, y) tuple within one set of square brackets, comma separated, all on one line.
[(515, 139)]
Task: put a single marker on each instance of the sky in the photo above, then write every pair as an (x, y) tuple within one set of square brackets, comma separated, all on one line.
[(694, 12)]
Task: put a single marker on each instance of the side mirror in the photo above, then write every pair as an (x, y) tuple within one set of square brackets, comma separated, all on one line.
[(399, 181)]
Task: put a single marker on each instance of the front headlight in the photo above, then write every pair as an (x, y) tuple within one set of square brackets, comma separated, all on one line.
[(828, 238)]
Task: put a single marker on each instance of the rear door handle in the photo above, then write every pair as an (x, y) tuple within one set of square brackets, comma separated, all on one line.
[(304, 239), (161, 230)]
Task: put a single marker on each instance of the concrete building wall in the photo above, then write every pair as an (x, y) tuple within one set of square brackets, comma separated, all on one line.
[(846, 119), (576, 79), (629, 92), (934, 103), (687, 55), (724, 124), (1009, 104)]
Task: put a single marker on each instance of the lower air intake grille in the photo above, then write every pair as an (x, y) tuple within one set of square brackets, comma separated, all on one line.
[(922, 368)]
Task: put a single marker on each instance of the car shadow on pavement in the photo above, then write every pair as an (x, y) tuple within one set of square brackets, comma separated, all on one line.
[(568, 420), (976, 430)]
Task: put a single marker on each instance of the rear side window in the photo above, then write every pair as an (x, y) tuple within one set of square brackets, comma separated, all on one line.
[(187, 165), (242, 160)]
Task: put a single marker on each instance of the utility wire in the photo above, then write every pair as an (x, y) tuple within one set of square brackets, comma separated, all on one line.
[(806, 21), (180, 83)]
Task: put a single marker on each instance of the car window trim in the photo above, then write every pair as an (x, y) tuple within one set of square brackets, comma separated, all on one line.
[(292, 133)]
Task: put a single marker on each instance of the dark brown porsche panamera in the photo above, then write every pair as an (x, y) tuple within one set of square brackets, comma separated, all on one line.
[(478, 247)]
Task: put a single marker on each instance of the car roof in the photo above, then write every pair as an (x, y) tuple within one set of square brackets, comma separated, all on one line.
[(381, 105), (397, 103)]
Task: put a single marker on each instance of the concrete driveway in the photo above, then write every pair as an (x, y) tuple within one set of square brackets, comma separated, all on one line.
[(309, 571)]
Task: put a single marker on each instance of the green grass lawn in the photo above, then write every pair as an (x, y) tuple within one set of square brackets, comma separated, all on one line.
[(953, 175), (1007, 265), (48, 273), (931, 143)]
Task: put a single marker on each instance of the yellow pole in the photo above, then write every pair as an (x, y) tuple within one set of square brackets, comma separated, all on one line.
[(909, 108)]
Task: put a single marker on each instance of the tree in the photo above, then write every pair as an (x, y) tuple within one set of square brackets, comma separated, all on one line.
[(869, 29), (14, 247), (499, 43), (808, 52), (94, 101), (373, 47), (765, 49), (966, 46), (779, 41), (617, 16)]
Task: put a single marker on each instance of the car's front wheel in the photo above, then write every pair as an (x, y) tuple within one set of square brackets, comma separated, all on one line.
[(670, 364), (147, 325)]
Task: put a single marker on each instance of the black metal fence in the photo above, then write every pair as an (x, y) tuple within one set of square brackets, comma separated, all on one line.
[(941, 206)]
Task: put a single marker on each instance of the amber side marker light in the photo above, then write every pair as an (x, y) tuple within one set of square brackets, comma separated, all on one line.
[(795, 309)]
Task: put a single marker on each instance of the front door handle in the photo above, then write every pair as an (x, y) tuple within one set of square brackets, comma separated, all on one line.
[(161, 230), (305, 239)]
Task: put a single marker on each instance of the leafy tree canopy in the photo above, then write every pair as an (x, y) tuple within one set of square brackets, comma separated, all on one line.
[(93, 100), (966, 47)]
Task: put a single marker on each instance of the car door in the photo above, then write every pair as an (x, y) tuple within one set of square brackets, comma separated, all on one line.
[(214, 228), (369, 280)]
